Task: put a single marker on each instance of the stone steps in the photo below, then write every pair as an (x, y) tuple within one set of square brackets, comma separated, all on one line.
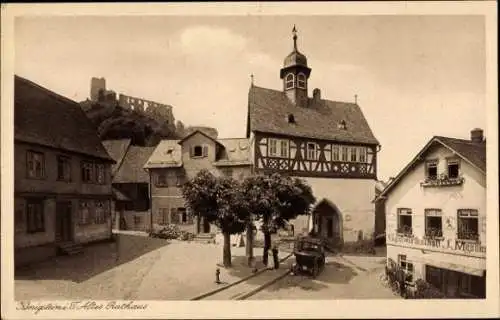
[(204, 238), (70, 248)]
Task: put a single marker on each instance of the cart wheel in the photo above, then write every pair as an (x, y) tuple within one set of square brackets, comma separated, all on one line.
[(315, 270)]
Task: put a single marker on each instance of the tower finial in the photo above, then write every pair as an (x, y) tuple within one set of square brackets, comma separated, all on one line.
[(356, 99), (251, 79), (294, 31)]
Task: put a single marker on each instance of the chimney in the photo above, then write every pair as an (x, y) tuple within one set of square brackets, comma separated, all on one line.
[(316, 94), (476, 135)]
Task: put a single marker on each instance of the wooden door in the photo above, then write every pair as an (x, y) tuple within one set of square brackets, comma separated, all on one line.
[(64, 226), (206, 226)]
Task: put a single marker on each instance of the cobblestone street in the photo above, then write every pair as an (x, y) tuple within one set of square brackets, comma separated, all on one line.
[(144, 269), (155, 269), (344, 277)]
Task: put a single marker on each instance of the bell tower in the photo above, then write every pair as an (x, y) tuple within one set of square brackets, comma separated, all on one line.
[(295, 75)]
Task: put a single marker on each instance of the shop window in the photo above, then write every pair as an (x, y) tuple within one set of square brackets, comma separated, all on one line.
[(434, 276), (404, 221), (468, 224), (35, 216), (433, 223), (407, 267)]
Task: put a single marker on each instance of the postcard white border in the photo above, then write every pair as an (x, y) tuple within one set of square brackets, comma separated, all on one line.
[(261, 309)]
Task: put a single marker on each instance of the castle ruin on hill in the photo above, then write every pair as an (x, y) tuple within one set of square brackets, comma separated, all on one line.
[(99, 93)]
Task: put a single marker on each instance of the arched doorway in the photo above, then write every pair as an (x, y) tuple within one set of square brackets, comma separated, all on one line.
[(327, 222)]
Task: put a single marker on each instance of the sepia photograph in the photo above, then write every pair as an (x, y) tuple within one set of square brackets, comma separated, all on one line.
[(189, 154)]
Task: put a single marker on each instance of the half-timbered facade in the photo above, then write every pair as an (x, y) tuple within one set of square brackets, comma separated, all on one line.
[(328, 143)]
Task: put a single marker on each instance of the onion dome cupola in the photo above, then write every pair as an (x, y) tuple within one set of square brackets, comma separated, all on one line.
[(295, 74)]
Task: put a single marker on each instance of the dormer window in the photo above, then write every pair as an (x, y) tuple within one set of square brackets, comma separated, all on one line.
[(301, 81), (290, 81), (453, 168), (199, 151), (431, 169)]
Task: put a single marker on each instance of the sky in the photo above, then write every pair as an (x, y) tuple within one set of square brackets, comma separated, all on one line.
[(415, 76)]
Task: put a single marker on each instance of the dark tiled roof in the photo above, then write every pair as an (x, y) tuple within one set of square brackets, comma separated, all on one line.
[(472, 151), (116, 149), (131, 169), (269, 110), (46, 118)]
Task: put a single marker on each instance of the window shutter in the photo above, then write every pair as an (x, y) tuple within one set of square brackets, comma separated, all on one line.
[(191, 151), (205, 151)]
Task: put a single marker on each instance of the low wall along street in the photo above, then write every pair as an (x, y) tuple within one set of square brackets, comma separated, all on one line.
[(452, 246)]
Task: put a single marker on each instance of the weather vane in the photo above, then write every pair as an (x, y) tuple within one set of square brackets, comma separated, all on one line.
[(356, 98), (294, 31)]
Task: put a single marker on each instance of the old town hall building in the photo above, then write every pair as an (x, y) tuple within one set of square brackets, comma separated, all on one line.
[(327, 143)]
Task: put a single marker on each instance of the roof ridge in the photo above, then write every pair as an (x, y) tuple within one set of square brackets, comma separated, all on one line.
[(50, 92), (311, 97), (461, 140)]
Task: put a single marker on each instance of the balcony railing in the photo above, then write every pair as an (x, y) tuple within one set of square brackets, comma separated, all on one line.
[(405, 231), (433, 233), (468, 235), (442, 181)]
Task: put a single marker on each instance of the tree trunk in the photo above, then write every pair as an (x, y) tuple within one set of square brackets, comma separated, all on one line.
[(249, 243), (226, 254)]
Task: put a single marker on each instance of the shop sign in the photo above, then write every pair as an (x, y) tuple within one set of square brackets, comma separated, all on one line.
[(446, 244)]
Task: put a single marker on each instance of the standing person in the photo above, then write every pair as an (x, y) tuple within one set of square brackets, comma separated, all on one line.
[(275, 257)]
